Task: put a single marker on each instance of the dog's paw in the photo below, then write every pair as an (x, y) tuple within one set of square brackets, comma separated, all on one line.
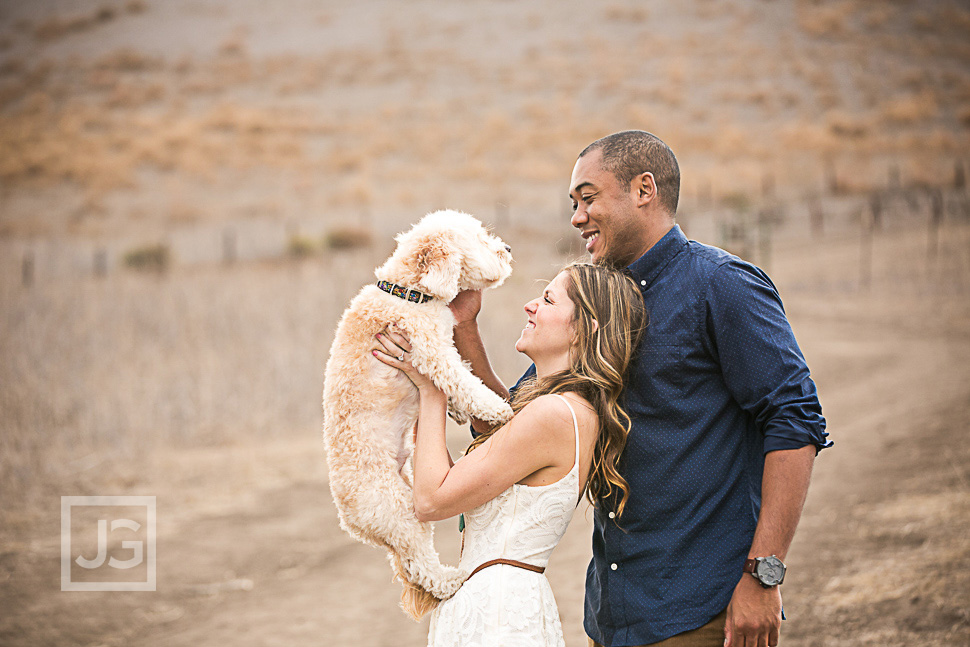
[(500, 412), (449, 582), (456, 414)]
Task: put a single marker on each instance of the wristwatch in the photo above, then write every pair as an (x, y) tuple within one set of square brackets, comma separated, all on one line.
[(770, 571)]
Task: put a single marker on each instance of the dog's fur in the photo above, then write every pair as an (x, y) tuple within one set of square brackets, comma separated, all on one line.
[(370, 409)]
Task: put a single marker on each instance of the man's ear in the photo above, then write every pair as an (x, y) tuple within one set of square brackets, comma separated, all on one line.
[(439, 267), (646, 187)]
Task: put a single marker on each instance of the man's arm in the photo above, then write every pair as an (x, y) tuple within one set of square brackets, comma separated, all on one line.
[(468, 340), (754, 613), (767, 376)]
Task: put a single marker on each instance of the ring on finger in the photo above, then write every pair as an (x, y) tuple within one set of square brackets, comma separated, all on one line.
[(401, 358)]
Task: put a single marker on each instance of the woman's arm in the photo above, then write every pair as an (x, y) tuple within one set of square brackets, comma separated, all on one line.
[(540, 436), (432, 461)]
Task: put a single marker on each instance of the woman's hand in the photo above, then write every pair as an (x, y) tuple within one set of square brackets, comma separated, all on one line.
[(395, 351)]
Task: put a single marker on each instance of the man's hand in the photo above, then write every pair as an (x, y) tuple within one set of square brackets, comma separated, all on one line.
[(466, 306), (753, 616)]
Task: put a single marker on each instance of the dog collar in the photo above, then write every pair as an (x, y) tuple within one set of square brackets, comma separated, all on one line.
[(408, 294)]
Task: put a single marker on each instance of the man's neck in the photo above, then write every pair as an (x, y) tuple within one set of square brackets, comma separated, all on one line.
[(654, 235)]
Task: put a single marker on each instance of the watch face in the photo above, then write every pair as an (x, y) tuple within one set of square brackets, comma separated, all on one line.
[(771, 571)]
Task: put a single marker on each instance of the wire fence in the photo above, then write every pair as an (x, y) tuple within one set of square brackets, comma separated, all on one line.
[(749, 226)]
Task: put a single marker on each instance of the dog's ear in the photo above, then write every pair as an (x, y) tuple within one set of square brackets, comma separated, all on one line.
[(439, 266)]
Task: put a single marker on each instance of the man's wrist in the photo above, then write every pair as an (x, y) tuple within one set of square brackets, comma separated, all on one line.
[(468, 327), (769, 571)]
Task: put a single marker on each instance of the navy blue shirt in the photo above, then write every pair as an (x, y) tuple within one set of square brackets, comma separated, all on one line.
[(719, 381)]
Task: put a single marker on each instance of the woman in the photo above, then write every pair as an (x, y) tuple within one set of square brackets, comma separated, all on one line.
[(518, 484)]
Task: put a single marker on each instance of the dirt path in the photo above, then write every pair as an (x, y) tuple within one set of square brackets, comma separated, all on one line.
[(250, 552)]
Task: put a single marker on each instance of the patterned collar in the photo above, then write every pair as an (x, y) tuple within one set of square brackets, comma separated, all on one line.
[(408, 294)]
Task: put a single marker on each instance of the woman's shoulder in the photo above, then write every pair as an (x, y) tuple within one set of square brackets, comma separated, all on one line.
[(544, 406), (551, 413)]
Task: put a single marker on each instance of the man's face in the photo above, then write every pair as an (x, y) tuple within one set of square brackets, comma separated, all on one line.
[(605, 213)]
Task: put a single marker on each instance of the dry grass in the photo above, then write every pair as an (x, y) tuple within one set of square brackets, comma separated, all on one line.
[(964, 116), (626, 13), (300, 247), (57, 27), (190, 358), (845, 125), (348, 237), (152, 258), (877, 16), (130, 146), (911, 109), (97, 125), (826, 20)]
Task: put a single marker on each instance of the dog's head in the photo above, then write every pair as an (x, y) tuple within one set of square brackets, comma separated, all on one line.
[(446, 252)]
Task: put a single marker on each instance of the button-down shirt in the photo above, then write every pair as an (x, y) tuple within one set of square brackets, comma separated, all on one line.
[(719, 381)]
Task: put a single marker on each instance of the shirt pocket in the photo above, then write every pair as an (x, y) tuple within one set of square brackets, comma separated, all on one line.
[(661, 360)]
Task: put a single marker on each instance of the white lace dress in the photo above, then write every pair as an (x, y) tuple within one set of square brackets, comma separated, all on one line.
[(503, 605)]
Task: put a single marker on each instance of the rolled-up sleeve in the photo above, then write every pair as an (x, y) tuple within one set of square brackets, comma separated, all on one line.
[(761, 363)]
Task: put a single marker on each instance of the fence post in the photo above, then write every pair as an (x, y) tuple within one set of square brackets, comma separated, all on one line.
[(832, 177), (875, 204), (936, 219), (100, 262), (765, 221), (894, 177), (865, 252), (27, 268), (228, 246), (768, 186), (817, 216)]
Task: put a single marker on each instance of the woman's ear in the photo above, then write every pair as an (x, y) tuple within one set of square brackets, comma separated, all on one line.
[(596, 325)]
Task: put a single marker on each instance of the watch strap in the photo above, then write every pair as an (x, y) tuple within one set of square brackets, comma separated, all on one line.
[(749, 565)]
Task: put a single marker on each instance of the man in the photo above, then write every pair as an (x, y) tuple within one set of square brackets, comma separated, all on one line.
[(726, 420)]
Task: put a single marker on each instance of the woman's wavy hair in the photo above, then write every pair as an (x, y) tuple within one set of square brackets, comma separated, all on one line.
[(609, 319)]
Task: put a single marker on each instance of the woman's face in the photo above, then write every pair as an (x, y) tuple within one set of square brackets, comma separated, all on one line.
[(549, 331)]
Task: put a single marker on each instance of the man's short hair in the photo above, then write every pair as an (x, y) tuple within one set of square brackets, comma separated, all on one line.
[(629, 153)]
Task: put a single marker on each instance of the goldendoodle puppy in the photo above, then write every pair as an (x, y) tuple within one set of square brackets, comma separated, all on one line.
[(370, 409)]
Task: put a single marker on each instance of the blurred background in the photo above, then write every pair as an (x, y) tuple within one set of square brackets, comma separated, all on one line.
[(192, 190)]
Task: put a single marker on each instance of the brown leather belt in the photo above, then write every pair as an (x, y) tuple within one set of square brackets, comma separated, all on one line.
[(507, 562)]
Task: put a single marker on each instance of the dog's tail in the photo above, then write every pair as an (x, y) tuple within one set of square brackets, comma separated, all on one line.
[(415, 600)]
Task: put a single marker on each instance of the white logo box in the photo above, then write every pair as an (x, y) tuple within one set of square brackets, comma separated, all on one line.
[(146, 549)]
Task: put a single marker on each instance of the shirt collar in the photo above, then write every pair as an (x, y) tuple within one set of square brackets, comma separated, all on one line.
[(646, 268)]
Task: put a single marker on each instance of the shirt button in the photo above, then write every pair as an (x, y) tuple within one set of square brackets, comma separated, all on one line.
[(613, 567), (612, 515), (643, 282)]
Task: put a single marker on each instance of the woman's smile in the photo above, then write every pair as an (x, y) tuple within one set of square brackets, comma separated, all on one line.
[(550, 316)]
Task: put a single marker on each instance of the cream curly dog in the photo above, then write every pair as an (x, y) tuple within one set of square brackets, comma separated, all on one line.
[(370, 409)]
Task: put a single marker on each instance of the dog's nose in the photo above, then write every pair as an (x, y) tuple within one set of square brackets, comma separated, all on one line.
[(508, 249)]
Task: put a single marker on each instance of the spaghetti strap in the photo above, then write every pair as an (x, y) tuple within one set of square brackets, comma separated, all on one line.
[(575, 428)]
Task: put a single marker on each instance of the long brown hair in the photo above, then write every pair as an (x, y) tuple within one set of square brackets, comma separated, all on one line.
[(609, 318)]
